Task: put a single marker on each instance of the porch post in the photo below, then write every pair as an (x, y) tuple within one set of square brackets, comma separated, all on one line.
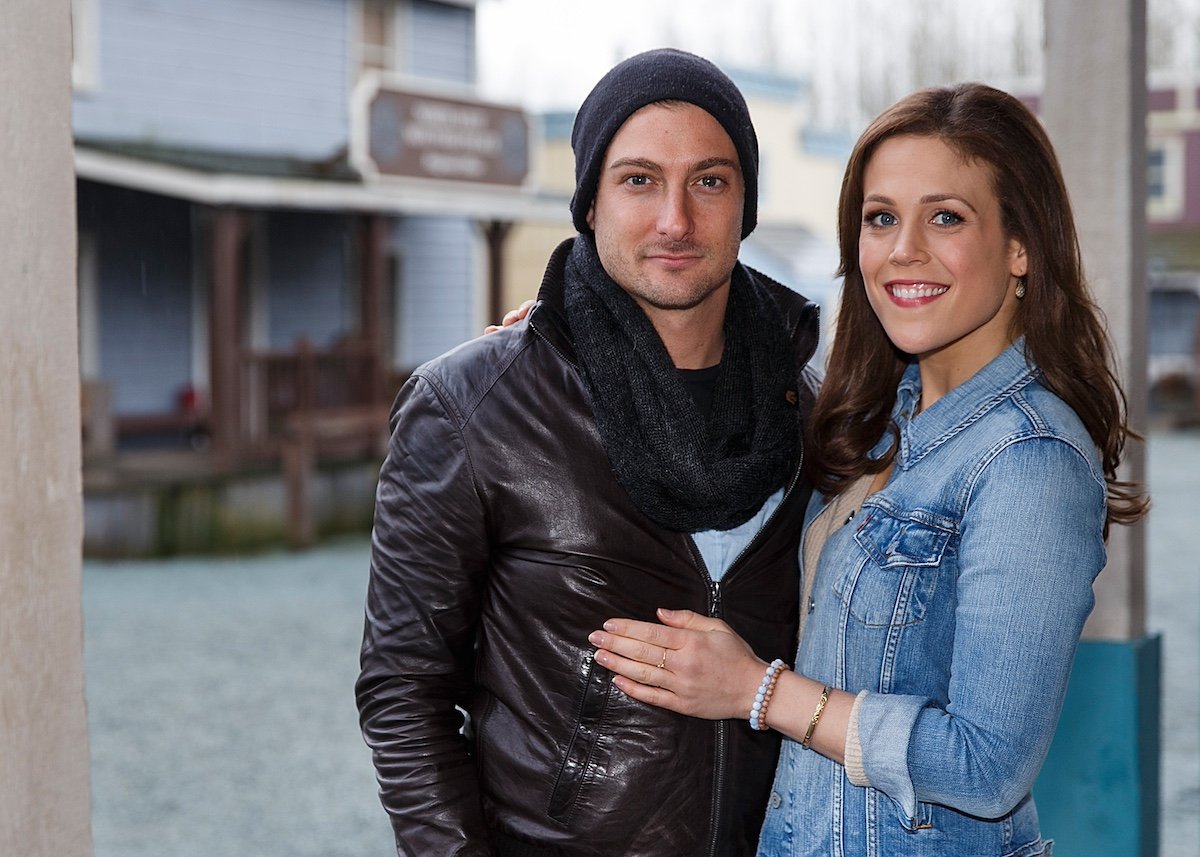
[(225, 340), (374, 274), (1099, 792), (495, 231)]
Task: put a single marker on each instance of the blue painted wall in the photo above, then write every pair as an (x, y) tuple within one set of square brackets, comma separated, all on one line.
[(437, 292), (309, 274), (268, 77), (258, 76), (441, 42), (144, 295)]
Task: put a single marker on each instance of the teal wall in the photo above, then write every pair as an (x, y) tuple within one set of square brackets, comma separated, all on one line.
[(1098, 792)]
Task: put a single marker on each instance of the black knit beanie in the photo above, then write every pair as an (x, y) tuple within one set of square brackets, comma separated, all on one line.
[(664, 74)]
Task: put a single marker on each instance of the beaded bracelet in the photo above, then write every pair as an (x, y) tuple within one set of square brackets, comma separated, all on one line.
[(758, 710)]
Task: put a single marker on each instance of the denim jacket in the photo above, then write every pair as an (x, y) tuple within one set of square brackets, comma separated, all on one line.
[(952, 603)]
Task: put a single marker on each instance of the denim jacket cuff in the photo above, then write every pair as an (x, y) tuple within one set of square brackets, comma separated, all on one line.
[(885, 725), (853, 752)]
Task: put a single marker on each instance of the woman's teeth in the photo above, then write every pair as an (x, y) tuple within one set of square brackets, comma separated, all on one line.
[(919, 290)]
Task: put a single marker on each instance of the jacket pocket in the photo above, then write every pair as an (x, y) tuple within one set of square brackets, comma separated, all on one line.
[(923, 820), (573, 774), (895, 582)]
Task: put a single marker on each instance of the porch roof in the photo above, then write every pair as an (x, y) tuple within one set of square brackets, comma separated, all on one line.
[(250, 181)]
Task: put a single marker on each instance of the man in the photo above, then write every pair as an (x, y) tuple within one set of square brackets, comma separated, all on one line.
[(633, 444)]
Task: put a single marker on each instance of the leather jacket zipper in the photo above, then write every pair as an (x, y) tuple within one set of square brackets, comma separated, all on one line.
[(720, 736), (722, 726)]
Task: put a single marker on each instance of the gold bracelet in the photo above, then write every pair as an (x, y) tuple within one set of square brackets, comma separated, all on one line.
[(816, 716)]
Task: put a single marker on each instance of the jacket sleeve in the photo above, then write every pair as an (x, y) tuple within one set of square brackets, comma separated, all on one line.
[(1031, 547), (429, 559)]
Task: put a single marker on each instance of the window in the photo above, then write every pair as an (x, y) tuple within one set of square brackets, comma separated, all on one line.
[(1156, 174), (1165, 179)]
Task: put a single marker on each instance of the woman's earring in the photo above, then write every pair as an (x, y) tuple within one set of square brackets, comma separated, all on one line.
[(1020, 290)]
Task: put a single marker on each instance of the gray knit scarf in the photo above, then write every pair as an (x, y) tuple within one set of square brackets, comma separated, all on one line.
[(685, 472)]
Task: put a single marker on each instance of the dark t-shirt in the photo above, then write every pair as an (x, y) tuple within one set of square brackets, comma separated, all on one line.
[(700, 383)]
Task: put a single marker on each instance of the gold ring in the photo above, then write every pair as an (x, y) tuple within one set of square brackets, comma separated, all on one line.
[(663, 662)]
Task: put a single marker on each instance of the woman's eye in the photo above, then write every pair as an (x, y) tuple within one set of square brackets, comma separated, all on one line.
[(947, 218), (880, 218)]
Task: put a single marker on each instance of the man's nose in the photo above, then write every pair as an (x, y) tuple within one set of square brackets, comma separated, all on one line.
[(675, 216)]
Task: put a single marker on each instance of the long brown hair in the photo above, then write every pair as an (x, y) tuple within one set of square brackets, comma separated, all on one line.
[(1065, 336)]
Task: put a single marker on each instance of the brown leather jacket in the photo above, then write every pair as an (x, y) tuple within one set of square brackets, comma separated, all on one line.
[(502, 538)]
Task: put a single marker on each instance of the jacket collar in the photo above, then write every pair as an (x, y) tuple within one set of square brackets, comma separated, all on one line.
[(920, 434), (548, 317)]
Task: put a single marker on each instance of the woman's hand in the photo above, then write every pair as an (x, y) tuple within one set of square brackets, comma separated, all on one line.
[(511, 317), (692, 664)]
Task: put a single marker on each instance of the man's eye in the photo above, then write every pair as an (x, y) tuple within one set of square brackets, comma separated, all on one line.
[(711, 181), (638, 180)]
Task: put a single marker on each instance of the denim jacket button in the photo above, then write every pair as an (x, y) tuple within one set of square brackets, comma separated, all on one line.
[(776, 800), (812, 605)]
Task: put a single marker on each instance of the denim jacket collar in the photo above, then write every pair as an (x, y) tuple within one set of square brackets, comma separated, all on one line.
[(924, 432)]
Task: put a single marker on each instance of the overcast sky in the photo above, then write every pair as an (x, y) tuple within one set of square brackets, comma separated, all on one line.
[(547, 54), (859, 55)]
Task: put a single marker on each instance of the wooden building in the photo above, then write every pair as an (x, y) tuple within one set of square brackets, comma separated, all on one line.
[(284, 206)]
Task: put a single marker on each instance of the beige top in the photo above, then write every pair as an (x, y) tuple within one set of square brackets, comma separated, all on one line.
[(833, 517)]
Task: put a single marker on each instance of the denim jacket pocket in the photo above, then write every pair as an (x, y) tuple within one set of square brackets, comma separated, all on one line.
[(895, 582), (922, 821)]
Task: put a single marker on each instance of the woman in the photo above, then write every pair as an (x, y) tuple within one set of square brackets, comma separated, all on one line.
[(964, 450)]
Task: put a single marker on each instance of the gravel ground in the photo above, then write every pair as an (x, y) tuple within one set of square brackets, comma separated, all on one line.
[(1173, 609), (221, 707), (220, 694)]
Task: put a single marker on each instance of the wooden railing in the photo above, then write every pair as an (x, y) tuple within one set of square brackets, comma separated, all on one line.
[(280, 387), (310, 404)]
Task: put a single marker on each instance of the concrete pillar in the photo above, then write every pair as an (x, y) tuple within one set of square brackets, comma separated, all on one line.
[(1094, 107), (44, 799), (1098, 793)]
